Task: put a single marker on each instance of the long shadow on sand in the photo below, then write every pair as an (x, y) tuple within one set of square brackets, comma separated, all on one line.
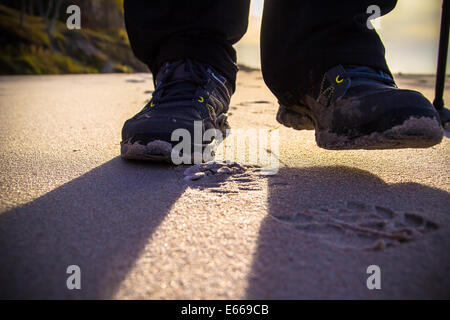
[(100, 221), (315, 243), (327, 224)]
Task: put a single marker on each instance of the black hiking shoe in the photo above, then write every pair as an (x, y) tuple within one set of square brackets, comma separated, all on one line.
[(362, 108), (186, 92)]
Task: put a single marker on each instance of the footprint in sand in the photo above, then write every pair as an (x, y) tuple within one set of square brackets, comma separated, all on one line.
[(358, 225), (199, 171), (216, 174)]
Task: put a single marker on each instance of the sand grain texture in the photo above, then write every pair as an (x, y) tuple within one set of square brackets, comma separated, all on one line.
[(140, 230)]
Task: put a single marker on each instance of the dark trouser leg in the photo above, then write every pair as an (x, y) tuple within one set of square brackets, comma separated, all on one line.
[(205, 30), (302, 39)]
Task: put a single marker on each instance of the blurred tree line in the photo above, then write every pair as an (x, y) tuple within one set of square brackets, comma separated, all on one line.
[(34, 38), (95, 13)]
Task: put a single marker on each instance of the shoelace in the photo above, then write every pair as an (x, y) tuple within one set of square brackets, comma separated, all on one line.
[(168, 89)]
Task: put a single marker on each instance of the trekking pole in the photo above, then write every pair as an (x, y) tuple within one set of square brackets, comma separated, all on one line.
[(438, 102)]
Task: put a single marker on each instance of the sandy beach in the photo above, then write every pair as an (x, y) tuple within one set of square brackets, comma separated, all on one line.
[(141, 231)]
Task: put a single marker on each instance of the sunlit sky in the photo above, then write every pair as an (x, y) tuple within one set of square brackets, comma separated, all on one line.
[(410, 34)]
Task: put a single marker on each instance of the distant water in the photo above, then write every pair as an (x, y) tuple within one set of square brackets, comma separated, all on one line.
[(248, 54), (405, 58)]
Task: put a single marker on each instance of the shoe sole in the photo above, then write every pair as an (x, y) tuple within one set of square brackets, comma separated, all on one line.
[(413, 133), (421, 132), (156, 151)]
